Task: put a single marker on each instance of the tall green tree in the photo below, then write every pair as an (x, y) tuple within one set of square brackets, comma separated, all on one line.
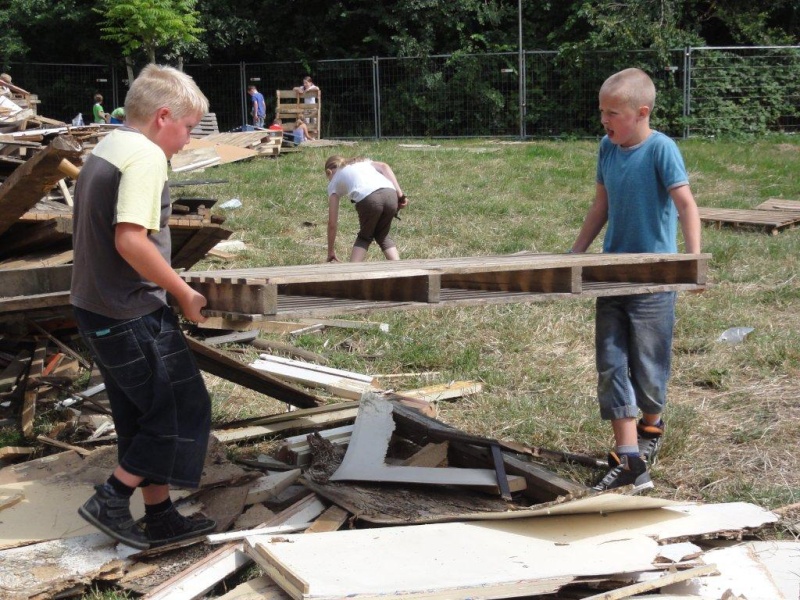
[(147, 26)]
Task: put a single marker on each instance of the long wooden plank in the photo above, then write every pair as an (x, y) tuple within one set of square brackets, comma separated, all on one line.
[(218, 363), (33, 179)]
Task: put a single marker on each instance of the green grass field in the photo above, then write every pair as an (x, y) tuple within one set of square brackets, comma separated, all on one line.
[(734, 409), (732, 418)]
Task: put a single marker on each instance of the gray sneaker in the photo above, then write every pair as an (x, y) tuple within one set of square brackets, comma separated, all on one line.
[(625, 471), (111, 514), (650, 438)]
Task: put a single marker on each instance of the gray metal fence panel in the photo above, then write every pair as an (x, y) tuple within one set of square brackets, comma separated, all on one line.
[(743, 90), (702, 91)]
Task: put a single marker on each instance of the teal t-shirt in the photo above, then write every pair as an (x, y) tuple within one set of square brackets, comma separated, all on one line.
[(641, 214)]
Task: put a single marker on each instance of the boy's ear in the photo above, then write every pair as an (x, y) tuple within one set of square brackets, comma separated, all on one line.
[(644, 112), (162, 114)]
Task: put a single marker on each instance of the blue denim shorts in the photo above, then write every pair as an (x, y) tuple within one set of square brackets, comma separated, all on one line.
[(159, 402), (633, 346)]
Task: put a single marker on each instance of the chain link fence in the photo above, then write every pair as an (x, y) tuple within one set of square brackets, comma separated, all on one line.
[(702, 92)]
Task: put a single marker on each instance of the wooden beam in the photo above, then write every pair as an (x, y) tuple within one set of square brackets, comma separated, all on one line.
[(217, 363)]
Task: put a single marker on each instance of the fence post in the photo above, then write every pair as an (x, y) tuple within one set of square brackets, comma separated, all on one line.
[(687, 89), (243, 92), (521, 69), (376, 95)]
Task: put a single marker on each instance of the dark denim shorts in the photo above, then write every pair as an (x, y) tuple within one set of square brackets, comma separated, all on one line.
[(159, 402)]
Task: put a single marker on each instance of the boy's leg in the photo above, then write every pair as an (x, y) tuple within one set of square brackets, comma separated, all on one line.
[(616, 395), (652, 319), (158, 399)]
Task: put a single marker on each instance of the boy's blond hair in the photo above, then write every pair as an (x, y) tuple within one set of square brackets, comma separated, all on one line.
[(632, 86), (159, 86)]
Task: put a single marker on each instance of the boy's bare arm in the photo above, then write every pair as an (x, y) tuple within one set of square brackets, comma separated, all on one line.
[(140, 253), (595, 220), (689, 218)]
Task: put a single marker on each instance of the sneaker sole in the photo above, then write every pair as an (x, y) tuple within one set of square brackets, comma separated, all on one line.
[(182, 538), (90, 518), (642, 487)]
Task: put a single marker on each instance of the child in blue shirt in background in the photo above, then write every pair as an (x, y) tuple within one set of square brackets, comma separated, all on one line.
[(642, 191)]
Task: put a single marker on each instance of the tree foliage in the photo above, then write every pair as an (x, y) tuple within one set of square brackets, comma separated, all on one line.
[(308, 30), (149, 25)]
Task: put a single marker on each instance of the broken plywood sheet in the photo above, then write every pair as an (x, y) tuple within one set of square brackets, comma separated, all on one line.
[(49, 508), (494, 559), (755, 570), (455, 560), (42, 570), (201, 153)]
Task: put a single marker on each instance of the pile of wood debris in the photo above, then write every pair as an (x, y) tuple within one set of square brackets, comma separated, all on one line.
[(403, 504)]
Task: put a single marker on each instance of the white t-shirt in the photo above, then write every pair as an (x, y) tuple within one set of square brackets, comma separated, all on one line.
[(357, 181), (313, 98)]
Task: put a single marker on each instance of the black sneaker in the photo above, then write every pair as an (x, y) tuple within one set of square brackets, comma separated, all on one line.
[(628, 470), (650, 438), (111, 513), (171, 526)]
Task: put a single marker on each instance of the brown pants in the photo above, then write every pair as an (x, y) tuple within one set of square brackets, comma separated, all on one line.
[(375, 214)]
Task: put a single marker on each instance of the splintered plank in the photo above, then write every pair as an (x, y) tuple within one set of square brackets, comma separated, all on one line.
[(34, 178), (772, 221)]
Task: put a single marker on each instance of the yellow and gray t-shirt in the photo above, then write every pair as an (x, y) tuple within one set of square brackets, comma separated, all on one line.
[(124, 180)]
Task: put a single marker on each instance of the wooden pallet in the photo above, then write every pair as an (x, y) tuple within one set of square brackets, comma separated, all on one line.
[(771, 221), (779, 204), (326, 289), (207, 126), (289, 107)]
